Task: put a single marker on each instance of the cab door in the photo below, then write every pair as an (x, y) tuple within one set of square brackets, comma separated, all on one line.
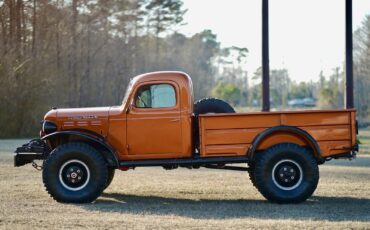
[(154, 122)]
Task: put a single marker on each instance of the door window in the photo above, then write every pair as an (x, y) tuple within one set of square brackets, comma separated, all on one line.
[(156, 96)]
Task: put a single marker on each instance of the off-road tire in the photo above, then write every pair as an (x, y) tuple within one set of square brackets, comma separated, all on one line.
[(208, 105), (251, 174), (212, 105), (111, 172), (55, 178), (268, 163)]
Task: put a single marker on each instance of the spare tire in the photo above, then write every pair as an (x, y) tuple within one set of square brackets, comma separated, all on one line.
[(208, 105), (212, 105)]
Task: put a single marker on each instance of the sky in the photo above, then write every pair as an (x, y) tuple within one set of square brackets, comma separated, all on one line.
[(306, 36)]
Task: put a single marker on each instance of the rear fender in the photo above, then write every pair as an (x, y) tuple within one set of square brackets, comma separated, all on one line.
[(298, 136)]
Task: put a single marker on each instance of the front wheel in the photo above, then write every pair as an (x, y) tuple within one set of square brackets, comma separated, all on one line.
[(111, 172), (286, 173), (75, 173)]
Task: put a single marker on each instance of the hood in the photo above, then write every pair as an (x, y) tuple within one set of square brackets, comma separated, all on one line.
[(93, 119), (83, 113)]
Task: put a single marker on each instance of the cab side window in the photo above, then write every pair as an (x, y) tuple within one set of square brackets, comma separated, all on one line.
[(155, 96)]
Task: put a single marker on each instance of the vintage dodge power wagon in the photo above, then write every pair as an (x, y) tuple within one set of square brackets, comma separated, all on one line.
[(158, 124)]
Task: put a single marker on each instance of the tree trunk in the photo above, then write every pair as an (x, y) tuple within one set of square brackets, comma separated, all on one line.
[(4, 32), (33, 27), (11, 23), (18, 13), (73, 82), (83, 82)]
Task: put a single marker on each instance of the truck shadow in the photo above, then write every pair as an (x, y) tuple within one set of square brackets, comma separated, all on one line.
[(316, 208)]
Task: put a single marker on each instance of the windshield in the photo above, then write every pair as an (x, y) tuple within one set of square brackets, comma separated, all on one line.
[(128, 90)]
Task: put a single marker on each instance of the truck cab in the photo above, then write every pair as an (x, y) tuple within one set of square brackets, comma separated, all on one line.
[(158, 112)]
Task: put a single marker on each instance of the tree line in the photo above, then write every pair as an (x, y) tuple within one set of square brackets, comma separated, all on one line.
[(82, 53)]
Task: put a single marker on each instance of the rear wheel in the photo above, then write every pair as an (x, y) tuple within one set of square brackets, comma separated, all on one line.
[(208, 105), (75, 173), (286, 173), (251, 174)]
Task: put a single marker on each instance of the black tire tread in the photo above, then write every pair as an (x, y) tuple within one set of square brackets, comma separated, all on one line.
[(216, 105), (251, 174), (263, 158), (111, 172), (60, 150), (208, 105)]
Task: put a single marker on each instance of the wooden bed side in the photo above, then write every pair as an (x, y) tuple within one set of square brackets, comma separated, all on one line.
[(233, 134)]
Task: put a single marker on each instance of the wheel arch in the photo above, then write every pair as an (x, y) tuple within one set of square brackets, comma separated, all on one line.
[(60, 137), (292, 131)]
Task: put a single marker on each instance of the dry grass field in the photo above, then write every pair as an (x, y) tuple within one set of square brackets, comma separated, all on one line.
[(152, 198)]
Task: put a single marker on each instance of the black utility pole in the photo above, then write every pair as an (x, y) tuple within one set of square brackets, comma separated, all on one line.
[(265, 57), (349, 56)]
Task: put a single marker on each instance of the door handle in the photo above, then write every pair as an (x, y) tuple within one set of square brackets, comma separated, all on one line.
[(175, 120)]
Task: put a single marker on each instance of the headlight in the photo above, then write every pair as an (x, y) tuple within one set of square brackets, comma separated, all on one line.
[(49, 127)]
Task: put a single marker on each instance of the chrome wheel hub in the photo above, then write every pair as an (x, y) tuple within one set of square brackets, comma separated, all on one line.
[(74, 175), (287, 174)]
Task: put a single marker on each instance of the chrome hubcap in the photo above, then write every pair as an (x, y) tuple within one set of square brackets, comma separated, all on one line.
[(74, 175), (287, 174)]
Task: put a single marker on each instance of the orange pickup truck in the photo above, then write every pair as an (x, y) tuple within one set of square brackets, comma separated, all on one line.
[(158, 124)]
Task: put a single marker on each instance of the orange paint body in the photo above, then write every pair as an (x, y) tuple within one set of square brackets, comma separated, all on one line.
[(233, 134), (137, 133)]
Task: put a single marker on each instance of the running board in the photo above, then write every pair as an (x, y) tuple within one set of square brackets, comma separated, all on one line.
[(227, 167), (184, 162)]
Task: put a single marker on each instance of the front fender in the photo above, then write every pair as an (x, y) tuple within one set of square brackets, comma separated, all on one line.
[(96, 140)]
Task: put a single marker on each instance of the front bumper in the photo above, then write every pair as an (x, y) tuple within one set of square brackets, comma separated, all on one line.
[(36, 149)]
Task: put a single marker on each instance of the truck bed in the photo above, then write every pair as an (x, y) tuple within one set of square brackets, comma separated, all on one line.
[(233, 134)]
